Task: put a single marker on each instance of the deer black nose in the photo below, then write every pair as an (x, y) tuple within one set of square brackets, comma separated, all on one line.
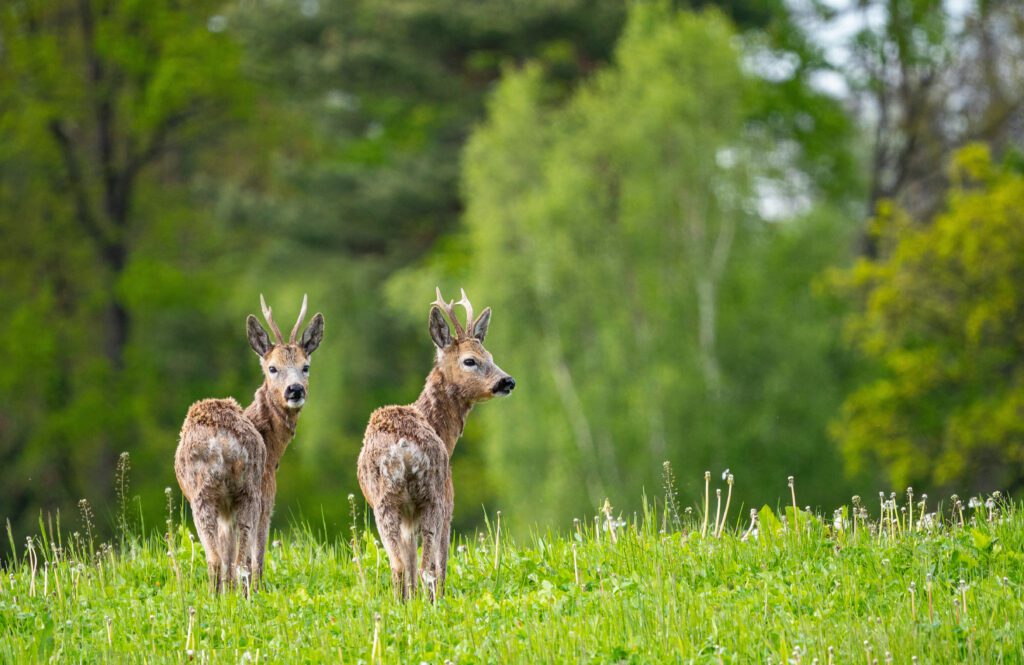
[(294, 391), (504, 386)]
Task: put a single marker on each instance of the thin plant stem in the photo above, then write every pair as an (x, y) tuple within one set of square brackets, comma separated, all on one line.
[(707, 503)]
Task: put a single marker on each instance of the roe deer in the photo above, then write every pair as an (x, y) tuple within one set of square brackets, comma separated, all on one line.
[(227, 457), (404, 469)]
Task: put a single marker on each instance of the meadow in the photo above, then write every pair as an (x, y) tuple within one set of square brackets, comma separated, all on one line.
[(904, 580)]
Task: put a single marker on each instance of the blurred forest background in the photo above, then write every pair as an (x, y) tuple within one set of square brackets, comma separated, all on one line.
[(784, 237)]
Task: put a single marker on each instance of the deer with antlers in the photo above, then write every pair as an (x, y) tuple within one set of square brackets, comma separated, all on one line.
[(227, 456), (404, 466)]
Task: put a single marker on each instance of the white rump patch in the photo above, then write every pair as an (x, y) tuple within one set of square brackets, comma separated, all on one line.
[(403, 459), (224, 451)]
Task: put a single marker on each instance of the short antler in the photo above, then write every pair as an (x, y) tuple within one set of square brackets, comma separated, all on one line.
[(468, 306), (268, 315), (449, 308), (298, 322)]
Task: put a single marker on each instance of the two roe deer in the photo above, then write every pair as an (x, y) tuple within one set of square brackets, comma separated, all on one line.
[(404, 467), (227, 457)]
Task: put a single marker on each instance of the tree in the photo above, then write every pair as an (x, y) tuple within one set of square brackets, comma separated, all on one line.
[(942, 314), (643, 303), (109, 107), (367, 109), (928, 80)]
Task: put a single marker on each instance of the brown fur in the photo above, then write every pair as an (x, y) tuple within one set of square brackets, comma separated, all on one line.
[(404, 467), (227, 457)]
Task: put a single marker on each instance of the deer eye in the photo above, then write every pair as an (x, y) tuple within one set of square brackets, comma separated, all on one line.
[(305, 369), (469, 362), (272, 369)]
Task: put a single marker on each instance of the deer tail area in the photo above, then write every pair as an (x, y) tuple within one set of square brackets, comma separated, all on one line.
[(404, 461)]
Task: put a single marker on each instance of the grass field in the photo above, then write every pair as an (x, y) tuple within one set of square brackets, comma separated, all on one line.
[(941, 587)]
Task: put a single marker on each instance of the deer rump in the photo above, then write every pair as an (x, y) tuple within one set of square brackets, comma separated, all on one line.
[(221, 456), (407, 471)]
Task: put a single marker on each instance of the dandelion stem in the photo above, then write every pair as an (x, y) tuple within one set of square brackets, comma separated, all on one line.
[(728, 499), (718, 510), (707, 503), (375, 655), (497, 541), (928, 588), (796, 517), (188, 635), (30, 547), (910, 508), (356, 556)]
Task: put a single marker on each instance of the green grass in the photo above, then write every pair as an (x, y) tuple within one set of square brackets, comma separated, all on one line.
[(649, 595)]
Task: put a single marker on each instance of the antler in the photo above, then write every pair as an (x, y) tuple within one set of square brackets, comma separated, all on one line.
[(449, 308), (298, 322), (268, 315), (468, 306)]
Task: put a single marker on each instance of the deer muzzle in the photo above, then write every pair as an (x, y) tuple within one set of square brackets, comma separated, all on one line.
[(504, 386), (295, 395)]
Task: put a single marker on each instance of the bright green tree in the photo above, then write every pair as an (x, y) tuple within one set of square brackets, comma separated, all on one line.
[(646, 307), (941, 314), (368, 105)]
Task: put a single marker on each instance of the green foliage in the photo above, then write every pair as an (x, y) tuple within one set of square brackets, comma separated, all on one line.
[(940, 314), (110, 109), (644, 306), (942, 594), (368, 106)]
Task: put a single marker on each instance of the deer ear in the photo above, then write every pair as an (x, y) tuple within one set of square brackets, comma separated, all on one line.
[(259, 340), (439, 330), (314, 334), (480, 325)]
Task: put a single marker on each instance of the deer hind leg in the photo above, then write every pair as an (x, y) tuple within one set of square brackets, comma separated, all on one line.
[(407, 531), (227, 544), (436, 536), (396, 539), (204, 514), (266, 507), (247, 522)]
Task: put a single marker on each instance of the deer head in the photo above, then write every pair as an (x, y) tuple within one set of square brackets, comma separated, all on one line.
[(461, 358), (286, 364)]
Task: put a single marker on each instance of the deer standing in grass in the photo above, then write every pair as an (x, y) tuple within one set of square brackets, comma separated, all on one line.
[(227, 457), (404, 466)]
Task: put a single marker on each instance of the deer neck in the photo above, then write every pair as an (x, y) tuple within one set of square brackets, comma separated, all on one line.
[(275, 424), (445, 407)]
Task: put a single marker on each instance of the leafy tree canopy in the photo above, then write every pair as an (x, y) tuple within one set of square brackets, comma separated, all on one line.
[(942, 313)]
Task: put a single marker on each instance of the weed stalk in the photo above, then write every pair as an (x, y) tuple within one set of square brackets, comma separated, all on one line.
[(707, 503)]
